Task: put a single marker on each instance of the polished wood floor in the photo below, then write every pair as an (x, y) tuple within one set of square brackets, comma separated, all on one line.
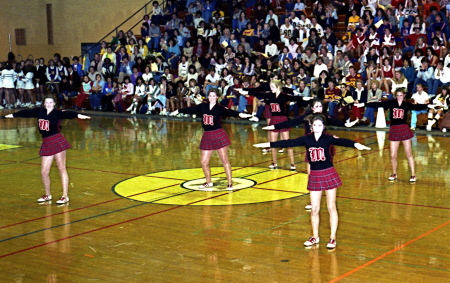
[(388, 232)]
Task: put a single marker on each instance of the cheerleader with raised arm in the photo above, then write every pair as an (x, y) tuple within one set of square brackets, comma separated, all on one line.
[(323, 176), (54, 144), (214, 136)]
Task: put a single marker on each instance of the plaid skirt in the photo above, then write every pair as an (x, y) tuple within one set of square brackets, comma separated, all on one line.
[(276, 120), (216, 139), (400, 133), (321, 180), (53, 144), (267, 112)]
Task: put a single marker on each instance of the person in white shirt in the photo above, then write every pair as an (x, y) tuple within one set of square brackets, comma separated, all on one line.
[(317, 26), (286, 32), (271, 49), (441, 78), (439, 105), (303, 28), (211, 80), (319, 67), (420, 97)]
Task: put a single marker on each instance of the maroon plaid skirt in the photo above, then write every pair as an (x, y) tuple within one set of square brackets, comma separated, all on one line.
[(267, 112), (216, 139), (53, 145), (276, 120), (400, 133), (326, 179)]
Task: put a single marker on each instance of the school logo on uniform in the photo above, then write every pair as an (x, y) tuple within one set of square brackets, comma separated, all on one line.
[(208, 120), (398, 113), (316, 154), (44, 125), (275, 107)]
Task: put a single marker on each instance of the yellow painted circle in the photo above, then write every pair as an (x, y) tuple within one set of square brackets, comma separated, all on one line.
[(180, 187)]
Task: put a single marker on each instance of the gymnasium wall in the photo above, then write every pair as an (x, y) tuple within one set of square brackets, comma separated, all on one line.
[(74, 22)]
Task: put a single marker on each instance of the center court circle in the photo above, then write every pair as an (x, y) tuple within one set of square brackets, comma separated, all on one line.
[(180, 187)]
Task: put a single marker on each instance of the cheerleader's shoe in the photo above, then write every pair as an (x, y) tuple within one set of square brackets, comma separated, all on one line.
[(311, 241), (164, 112), (130, 108), (265, 150), (292, 167), (281, 150), (206, 185), (254, 119), (133, 112), (393, 177), (273, 166), (331, 244), (230, 187), (429, 128), (413, 179), (308, 206), (62, 200), (444, 130), (45, 198)]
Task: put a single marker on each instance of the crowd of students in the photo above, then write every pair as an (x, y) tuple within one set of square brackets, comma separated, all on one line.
[(188, 47)]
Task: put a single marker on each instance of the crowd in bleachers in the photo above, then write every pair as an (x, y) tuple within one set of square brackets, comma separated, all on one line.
[(344, 52)]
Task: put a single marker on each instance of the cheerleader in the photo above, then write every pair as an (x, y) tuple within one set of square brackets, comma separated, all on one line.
[(9, 78), (323, 176), (54, 144), (276, 100), (214, 136), (29, 86), (439, 105), (399, 130), (20, 85), (153, 92)]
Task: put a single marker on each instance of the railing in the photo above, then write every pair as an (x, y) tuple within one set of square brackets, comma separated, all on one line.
[(116, 29)]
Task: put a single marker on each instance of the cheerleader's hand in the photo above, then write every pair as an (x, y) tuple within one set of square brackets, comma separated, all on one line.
[(361, 146), (349, 124), (174, 113), (244, 115), (269, 128), (264, 144), (81, 116), (9, 116)]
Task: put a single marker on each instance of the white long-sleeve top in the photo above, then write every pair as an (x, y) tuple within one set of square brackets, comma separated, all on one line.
[(28, 80), (9, 77), (443, 75), (271, 50)]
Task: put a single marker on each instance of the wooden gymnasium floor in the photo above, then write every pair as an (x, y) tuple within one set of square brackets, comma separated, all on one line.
[(133, 216)]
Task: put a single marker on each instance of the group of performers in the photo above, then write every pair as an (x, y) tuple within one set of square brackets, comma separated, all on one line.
[(319, 145)]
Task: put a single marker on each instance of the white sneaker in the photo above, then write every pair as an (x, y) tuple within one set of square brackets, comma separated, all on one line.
[(254, 119), (413, 128), (273, 166), (265, 150), (133, 112), (281, 150), (292, 167), (194, 116), (429, 128), (164, 112), (62, 200), (444, 130), (45, 198), (311, 241), (308, 206), (230, 187), (331, 244), (206, 185)]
